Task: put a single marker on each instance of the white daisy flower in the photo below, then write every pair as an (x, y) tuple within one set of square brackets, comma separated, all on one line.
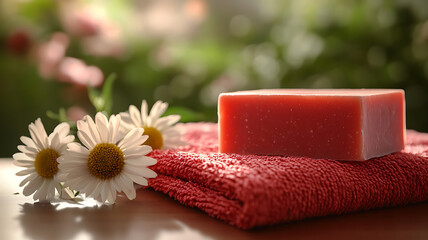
[(39, 156), (107, 163), (162, 131)]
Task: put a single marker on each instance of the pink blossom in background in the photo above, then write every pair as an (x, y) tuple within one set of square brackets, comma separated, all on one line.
[(18, 42), (79, 19), (75, 113), (50, 53), (75, 71), (170, 18), (196, 9), (107, 44), (100, 35), (53, 63)]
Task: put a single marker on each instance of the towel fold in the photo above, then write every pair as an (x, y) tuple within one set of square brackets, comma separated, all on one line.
[(249, 190)]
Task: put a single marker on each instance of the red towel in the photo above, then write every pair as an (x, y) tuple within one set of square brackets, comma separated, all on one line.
[(248, 190)]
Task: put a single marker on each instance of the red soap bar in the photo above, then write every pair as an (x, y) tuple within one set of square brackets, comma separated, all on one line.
[(340, 124)]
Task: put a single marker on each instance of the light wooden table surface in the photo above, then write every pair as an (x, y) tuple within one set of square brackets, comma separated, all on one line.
[(153, 215)]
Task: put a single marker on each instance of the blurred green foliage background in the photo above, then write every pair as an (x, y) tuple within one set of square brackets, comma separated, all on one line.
[(186, 52)]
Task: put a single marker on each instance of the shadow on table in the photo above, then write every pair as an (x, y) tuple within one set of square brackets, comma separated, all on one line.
[(153, 215)]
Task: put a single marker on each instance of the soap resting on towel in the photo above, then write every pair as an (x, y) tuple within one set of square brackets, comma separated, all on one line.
[(249, 190)]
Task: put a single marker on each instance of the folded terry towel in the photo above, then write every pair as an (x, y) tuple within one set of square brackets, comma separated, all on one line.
[(248, 190)]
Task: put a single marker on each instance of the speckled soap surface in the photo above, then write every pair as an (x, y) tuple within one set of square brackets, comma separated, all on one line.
[(339, 124)]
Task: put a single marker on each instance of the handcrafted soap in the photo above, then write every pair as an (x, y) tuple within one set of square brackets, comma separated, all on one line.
[(340, 124)]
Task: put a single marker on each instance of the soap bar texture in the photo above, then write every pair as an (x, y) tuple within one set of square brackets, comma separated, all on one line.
[(338, 124)]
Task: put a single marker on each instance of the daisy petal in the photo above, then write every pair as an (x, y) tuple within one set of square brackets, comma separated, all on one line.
[(116, 184), (51, 189), (90, 186), (135, 151), (127, 187), (40, 128), (25, 172), (142, 161), (126, 121), (85, 139), (77, 183), (97, 190), (157, 110), (138, 152), (41, 132), (77, 148), (93, 129), (144, 111), (68, 139), (137, 179), (106, 191), (134, 143), (27, 150), (23, 163), (111, 197), (36, 138), (102, 126), (22, 156), (41, 193), (167, 121), (133, 138), (33, 186), (147, 173), (140, 171), (63, 129), (114, 125), (28, 141), (55, 142), (31, 177), (135, 116)]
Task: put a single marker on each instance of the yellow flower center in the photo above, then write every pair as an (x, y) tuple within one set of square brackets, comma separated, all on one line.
[(155, 139), (105, 161), (46, 164)]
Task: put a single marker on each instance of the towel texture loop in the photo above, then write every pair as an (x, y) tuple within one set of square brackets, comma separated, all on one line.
[(248, 190)]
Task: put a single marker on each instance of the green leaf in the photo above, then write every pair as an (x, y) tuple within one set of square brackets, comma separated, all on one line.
[(103, 100), (52, 115), (187, 115), (96, 99), (107, 92), (61, 116)]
